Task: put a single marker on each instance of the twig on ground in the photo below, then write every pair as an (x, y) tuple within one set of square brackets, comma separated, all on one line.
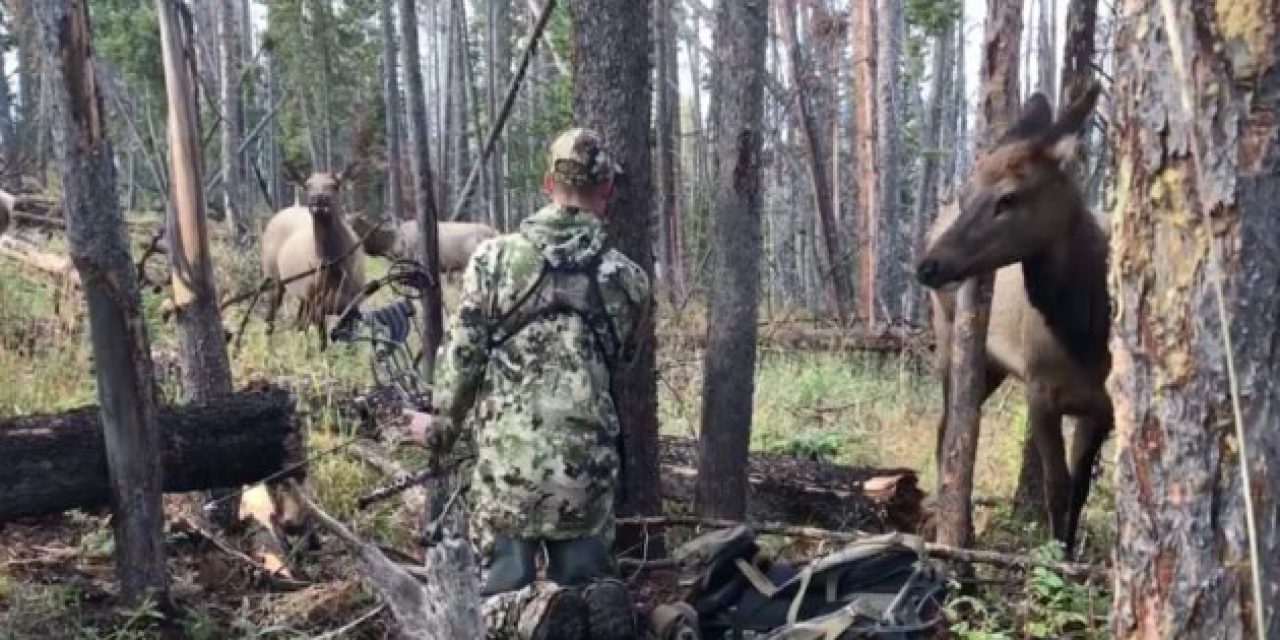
[(276, 579), (342, 631)]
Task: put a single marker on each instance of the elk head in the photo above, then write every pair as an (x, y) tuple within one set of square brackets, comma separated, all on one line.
[(321, 189), (1019, 198)]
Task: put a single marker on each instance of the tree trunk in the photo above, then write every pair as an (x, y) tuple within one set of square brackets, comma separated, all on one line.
[(233, 173), (997, 108), (58, 462), (391, 98), (9, 145), (953, 104), (1194, 271), (819, 173), (891, 283), (423, 189), (206, 368), (667, 93), (862, 34), (498, 37), (275, 175), (100, 249), (1048, 51), (941, 79), (612, 95), (460, 95), (729, 364)]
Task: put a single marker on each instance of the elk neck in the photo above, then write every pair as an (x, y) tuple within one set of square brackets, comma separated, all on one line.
[(329, 239), (1067, 284)]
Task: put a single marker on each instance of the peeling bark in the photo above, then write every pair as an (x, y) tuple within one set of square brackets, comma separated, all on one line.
[(1188, 149), (862, 35)]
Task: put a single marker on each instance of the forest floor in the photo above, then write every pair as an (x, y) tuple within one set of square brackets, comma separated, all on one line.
[(860, 409)]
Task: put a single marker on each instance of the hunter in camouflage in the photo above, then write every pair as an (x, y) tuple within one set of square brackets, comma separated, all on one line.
[(523, 378)]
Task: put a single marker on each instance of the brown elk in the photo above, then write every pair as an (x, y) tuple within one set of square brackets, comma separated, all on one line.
[(1021, 214), (314, 238), (456, 241)]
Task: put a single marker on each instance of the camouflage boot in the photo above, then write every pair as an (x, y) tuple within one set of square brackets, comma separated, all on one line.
[(610, 610), (540, 611)]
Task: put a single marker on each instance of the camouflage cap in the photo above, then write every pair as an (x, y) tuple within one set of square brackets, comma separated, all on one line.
[(578, 158)]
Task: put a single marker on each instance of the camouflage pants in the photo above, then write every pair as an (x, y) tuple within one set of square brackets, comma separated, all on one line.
[(513, 615)]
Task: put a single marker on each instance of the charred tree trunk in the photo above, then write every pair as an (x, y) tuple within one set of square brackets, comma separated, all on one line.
[(391, 97), (100, 250), (206, 368), (997, 108), (424, 200), (58, 462), (612, 95), (729, 365), (233, 174), (1195, 267), (862, 34), (819, 173)]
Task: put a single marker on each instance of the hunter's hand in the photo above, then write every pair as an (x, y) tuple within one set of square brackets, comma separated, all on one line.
[(419, 427)]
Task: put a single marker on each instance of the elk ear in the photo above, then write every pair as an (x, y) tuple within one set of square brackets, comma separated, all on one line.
[(1036, 116), (1061, 140), (348, 172)]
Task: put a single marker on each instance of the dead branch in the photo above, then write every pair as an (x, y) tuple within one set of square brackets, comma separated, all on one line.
[(946, 552), (415, 497), (446, 604), (275, 578)]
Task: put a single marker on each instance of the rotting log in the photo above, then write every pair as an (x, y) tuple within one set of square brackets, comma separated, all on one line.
[(793, 489), (55, 462)]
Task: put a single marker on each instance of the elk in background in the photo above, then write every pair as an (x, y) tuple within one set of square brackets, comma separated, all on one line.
[(457, 241), (1022, 214)]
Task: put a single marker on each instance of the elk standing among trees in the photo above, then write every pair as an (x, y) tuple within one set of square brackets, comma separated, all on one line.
[(1022, 213), (313, 237)]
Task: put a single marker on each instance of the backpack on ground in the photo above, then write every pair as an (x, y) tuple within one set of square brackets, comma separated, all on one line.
[(881, 587)]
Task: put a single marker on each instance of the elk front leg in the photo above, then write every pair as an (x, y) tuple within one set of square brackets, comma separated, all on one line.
[(273, 306), (1046, 432)]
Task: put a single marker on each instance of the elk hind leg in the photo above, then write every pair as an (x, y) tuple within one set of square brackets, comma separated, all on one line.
[(1090, 434)]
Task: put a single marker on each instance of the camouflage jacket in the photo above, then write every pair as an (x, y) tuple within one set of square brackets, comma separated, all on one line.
[(537, 407)]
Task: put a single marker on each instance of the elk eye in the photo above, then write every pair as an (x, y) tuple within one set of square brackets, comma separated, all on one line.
[(1003, 204)]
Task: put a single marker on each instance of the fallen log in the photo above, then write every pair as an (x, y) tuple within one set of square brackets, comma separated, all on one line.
[(932, 549), (811, 340), (55, 462), (790, 488)]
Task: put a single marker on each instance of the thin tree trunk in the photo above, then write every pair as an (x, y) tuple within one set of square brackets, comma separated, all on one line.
[(891, 282), (426, 212), (99, 247), (862, 34), (841, 288), (233, 173), (940, 93), (9, 145), (1046, 63), (668, 135), (952, 103), (275, 176), (461, 90), (612, 95), (729, 363), (499, 50), (391, 98), (997, 108), (1194, 273)]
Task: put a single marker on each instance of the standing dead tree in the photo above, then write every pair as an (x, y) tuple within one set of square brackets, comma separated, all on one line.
[(100, 251), (997, 107)]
